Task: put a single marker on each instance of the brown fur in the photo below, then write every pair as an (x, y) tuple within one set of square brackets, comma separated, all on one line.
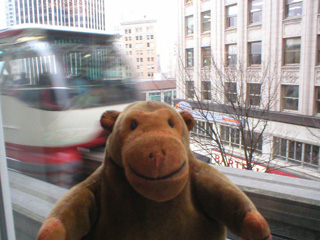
[(150, 186)]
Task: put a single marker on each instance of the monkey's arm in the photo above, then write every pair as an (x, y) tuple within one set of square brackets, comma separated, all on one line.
[(73, 215), (225, 202)]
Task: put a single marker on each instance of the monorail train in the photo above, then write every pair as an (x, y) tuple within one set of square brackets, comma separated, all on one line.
[(55, 84)]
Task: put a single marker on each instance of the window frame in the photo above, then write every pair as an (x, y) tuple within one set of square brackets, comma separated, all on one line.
[(153, 96), (190, 91), (296, 52), (189, 58), (231, 19), (253, 95), (317, 99), (7, 230), (284, 97), (205, 25), (286, 150), (252, 12), (251, 62), (231, 59), (189, 25), (206, 90), (318, 49), (229, 95), (288, 4), (206, 56)]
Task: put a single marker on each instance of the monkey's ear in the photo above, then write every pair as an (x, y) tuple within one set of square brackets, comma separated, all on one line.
[(108, 119), (188, 119)]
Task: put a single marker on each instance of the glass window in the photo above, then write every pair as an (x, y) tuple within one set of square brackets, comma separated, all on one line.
[(231, 54), (317, 93), (255, 11), (206, 56), (318, 49), (290, 99), (168, 97), (230, 92), (235, 137), (292, 50), (231, 20), (190, 89), (254, 93), (206, 90), (255, 49), (293, 8), (190, 57), (155, 96), (206, 21), (311, 154), (298, 152), (189, 25)]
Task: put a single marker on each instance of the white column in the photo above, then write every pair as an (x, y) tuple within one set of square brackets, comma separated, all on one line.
[(308, 57), (197, 47)]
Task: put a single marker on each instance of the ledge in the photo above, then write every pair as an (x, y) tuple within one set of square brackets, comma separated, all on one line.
[(291, 205)]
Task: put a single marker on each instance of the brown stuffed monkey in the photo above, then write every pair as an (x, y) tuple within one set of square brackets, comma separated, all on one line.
[(151, 187)]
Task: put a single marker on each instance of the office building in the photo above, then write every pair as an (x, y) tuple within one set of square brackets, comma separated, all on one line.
[(252, 34), (139, 43), (89, 14)]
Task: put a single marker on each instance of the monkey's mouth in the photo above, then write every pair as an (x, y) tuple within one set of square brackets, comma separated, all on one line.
[(158, 178)]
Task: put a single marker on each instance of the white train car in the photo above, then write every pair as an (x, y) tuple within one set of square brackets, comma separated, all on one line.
[(55, 84)]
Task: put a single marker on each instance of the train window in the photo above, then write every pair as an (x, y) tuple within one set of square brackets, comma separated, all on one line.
[(62, 73)]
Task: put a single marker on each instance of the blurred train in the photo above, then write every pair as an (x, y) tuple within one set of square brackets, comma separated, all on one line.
[(55, 84)]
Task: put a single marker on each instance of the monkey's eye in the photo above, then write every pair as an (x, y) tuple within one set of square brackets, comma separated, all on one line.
[(133, 125), (170, 123)]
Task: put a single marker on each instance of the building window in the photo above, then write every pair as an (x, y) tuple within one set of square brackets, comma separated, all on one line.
[(168, 97), (254, 94), (231, 54), (317, 93), (206, 21), (155, 96), (190, 89), (231, 16), (255, 53), (318, 49), (189, 25), (232, 137), (296, 152), (230, 92), (255, 11), (202, 129), (290, 99), (206, 90), (292, 50), (206, 56), (190, 57), (293, 8)]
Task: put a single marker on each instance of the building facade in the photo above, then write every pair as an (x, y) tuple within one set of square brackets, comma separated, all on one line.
[(88, 14), (139, 43), (253, 34), (160, 90)]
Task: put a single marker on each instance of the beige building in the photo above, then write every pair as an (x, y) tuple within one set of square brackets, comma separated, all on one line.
[(138, 40), (253, 32)]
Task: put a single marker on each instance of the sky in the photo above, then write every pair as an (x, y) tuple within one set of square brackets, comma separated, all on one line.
[(117, 11), (2, 14), (164, 11)]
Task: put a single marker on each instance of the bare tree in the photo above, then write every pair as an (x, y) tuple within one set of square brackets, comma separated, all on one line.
[(232, 104)]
